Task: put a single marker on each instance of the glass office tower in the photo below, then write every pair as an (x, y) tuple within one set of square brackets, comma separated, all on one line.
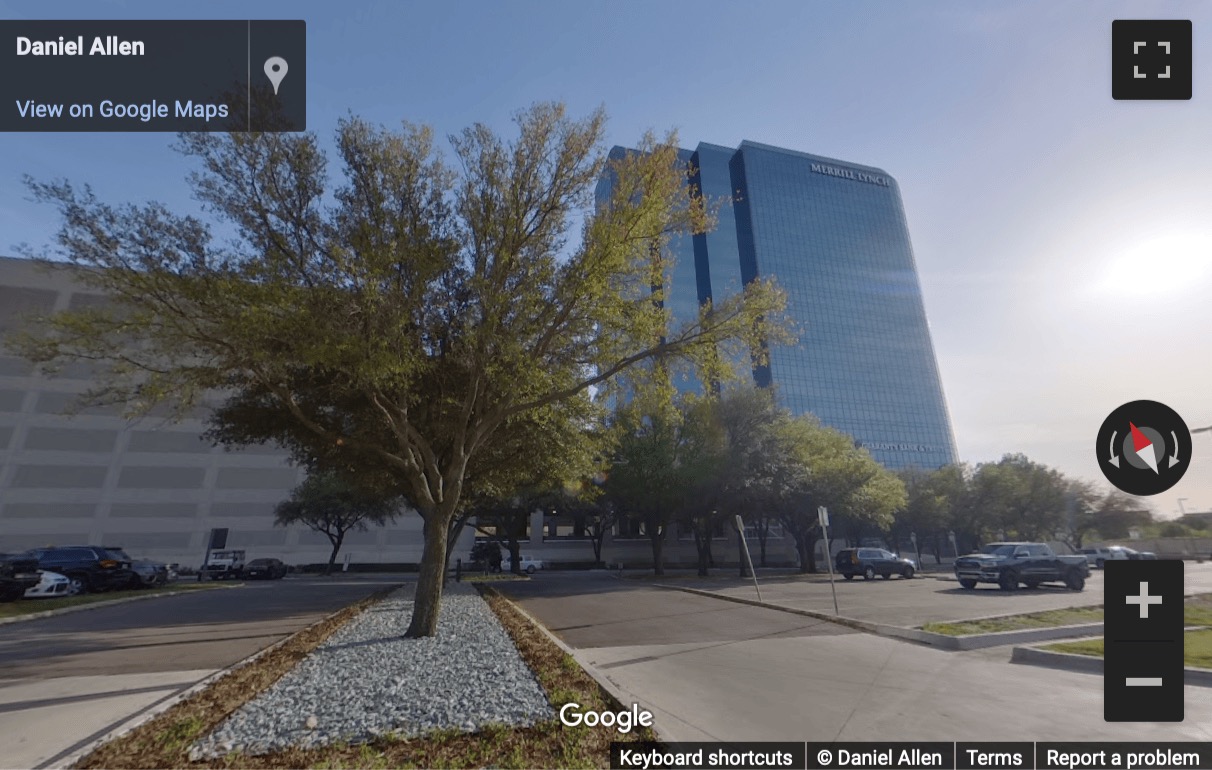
[(833, 235)]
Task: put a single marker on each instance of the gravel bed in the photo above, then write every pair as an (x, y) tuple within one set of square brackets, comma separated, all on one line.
[(367, 680)]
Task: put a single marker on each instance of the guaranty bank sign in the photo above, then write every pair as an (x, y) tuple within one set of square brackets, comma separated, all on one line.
[(849, 173)]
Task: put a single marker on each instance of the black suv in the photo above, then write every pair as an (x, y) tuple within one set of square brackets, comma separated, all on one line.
[(17, 573), (870, 562), (90, 567)]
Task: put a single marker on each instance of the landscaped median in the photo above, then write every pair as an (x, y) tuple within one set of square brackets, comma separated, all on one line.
[(351, 692), (1087, 654), (30, 609)]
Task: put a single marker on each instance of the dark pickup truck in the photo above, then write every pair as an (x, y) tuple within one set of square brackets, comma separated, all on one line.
[(1029, 564), (17, 573)]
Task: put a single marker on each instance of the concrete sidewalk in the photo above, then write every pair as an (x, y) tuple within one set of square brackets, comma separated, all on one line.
[(45, 721), (716, 670)]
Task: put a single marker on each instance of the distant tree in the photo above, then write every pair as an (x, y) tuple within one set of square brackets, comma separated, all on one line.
[(486, 554), (334, 507), (1118, 513), (1081, 513), (599, 518), (820, 466), (926, 512), (644, 479), (407, 315), (1025, 500), (506, 522)]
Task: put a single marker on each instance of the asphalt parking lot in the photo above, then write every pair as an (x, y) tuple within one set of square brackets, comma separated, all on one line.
[(910, 603)]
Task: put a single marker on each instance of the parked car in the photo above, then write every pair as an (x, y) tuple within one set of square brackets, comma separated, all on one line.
[(870, 562), (148, 573), (1134, 555), (1097, 557), (50, 585), (528, 564), (264, 569), (89, 567), (18, 573), (1012, 564)]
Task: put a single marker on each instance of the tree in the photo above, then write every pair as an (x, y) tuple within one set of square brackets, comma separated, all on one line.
[(599, 518), (1081, 513), (487, 554), (644, 478), (505, 521), (333, 507), (1119, 513), (703, 474), (926, 509), (739, 464), (813, 466), (405, 318)]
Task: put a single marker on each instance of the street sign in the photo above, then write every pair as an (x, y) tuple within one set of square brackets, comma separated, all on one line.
[(218, 539), (822, 515)]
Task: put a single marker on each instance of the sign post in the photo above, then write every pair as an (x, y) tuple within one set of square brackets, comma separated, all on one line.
[(740, 533), (217, 542), (822, 514)]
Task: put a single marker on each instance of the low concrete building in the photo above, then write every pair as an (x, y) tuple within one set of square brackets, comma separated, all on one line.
[(157, 488), (154, 487)]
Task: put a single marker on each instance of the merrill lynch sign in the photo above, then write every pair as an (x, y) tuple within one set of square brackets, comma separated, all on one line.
[(900, 447), (849, 173)]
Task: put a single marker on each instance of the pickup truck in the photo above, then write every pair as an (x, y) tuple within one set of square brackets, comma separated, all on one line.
[(223, 565), (1011, 564)]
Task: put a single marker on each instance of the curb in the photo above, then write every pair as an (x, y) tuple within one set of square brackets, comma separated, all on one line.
[(603, 681), (99, 605), (158, 708), (860, 625), (1089, 664), (941, 641)]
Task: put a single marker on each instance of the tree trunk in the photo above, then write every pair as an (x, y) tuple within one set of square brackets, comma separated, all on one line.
[(658, 562), (596, 539), (801, 545), (428, 597), (515, 556), (455, 529), (332, 557), (811, 539), (703, 546), (763, 533)]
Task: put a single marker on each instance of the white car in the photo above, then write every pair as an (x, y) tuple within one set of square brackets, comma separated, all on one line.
[(1097, 557), (529, 565), (51, 585)]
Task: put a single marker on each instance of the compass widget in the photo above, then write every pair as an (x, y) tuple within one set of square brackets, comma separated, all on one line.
[(1144, 448)]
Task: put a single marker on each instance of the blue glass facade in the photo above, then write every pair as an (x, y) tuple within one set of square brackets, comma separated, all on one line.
[(834, 236)]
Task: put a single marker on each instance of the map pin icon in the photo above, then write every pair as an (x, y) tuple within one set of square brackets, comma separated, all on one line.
[(275, 70)]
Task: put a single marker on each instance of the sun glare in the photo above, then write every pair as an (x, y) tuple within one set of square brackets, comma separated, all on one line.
[(1169, 264)]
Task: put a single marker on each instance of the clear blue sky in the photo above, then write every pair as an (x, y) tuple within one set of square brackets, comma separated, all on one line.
[(1064, 239)]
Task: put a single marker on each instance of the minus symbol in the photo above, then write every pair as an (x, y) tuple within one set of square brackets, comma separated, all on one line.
[(1143, 681)]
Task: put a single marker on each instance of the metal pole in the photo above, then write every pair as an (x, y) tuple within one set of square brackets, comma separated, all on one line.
[(823, 516), (740, 533)]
